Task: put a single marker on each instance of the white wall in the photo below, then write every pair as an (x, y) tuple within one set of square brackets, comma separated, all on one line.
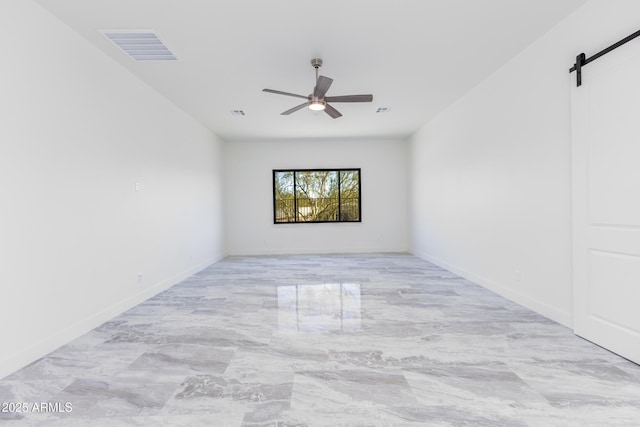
[(491, 175), (249, 197), (76, 133)]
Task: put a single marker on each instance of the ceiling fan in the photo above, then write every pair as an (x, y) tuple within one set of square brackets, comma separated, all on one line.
[(317, 100)]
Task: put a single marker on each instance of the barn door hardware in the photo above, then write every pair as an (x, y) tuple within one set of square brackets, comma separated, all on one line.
[(582, 60)]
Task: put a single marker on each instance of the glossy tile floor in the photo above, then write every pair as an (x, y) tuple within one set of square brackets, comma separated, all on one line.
[(337, 340)]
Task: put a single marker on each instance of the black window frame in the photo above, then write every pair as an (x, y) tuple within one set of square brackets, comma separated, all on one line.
[(295, 198)]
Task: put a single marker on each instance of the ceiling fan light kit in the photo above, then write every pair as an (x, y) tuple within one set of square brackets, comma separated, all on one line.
[(317, 105), (317, 101)]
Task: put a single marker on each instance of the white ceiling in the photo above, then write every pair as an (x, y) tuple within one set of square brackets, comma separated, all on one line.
[(415, 56)]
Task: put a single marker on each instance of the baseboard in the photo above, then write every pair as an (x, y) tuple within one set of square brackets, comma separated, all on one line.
[(314, 251), (40, 349), (524, 300)]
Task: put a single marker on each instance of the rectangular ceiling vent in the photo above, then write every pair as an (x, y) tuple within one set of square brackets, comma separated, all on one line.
[(141, 45)]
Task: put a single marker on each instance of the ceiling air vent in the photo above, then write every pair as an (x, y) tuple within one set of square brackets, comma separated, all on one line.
[(140, 45)]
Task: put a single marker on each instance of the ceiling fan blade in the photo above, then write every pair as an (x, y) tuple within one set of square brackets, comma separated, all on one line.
[(349, 98), (279, 92), (322, 86), (332, 111), (294, 109)]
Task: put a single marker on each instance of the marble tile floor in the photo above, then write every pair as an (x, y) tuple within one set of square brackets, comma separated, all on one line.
[(326, 340)]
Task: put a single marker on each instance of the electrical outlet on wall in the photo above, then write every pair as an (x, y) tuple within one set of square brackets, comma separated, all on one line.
[(517, 275), (139, 277)]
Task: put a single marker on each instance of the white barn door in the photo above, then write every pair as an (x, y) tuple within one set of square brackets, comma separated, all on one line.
[(606, 201)]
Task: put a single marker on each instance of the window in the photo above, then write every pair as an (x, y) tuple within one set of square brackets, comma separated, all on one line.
[(318, 195)]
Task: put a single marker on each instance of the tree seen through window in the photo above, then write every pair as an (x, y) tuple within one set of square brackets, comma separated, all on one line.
[(324, 195)]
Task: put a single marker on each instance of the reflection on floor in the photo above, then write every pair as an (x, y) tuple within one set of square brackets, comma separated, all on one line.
[(328, 307), (334, 340)]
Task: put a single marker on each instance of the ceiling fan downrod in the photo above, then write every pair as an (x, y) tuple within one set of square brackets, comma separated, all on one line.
[(316, 63)]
